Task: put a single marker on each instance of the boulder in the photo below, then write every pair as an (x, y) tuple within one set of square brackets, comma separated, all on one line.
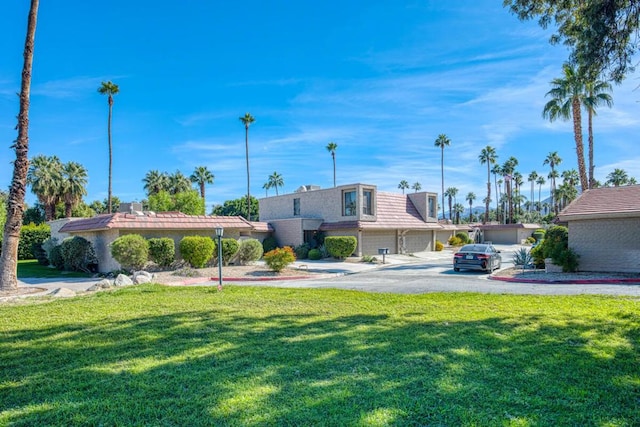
[(140, 277), (123, 280), (102, 284)]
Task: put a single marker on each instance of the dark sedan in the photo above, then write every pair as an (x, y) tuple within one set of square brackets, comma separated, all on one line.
[(477, 256)]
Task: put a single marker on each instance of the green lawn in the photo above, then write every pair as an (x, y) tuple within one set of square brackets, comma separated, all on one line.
[(31, 268), (153, 355)]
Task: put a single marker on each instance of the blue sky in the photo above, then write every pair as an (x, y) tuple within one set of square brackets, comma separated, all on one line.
[(382, 79)]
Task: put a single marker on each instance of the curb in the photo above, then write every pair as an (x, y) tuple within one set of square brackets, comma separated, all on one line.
[(569, 282)]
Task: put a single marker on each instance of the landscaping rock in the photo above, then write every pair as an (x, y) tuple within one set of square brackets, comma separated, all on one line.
[(140, 277), (103, 284), (123, 280)]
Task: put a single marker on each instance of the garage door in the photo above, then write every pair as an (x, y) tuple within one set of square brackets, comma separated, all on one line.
[(418, 241), (372, 240)]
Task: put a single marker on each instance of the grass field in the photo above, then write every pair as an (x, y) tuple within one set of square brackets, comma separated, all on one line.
[(31, 268), (153, 355)]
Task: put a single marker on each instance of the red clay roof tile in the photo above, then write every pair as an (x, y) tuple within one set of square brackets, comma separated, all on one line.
[(604, 202)]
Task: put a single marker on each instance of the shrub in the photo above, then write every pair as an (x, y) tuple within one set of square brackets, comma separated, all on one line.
[(250, 250), (269, 244), (531, 240), (340, 246), (538, 234), (522, 258), (556, 247), (302, 251), (55, 257), (229, 250), (196, 250), (131, 251), (29, 235), (315, 254), (48, 245), (439, 245), (162, 251), (278, 258), (40, 254), (369, 258), (464, 237), (538, 256), (78, 254), (454, 241), (569, 260)]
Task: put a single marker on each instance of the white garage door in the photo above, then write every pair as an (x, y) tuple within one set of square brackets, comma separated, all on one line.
[(372, 240), (418, 241)]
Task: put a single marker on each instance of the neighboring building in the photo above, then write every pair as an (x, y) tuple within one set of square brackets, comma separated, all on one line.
[(507, 234), (402, 223), (604, 225), (101, 230)]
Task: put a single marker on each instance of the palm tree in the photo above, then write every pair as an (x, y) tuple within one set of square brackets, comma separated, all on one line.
[(275, 180), (552, 179), (73, 186), (109, 89), (597, 94), (451, 194), (404, 185), (553, 160), (331, 148), (247, 120), (532, 179), (15, 202), (518, 180), (178, 183), (45, 178), (266, 186), (458, 209), (416, 186), (496, 170), (471, 196), (488, 155), (508, 170), (441, 142), (617, 178), (567, 95), (570, 177), (156, 181), (201, 176), (540, 181)]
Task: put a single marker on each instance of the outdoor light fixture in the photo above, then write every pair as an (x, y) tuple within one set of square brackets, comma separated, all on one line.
[(219, 233)]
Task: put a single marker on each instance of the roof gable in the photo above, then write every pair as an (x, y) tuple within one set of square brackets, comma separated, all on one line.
[(604, 202)]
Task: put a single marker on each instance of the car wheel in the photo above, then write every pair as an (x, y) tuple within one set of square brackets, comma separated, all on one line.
[(456, 269)]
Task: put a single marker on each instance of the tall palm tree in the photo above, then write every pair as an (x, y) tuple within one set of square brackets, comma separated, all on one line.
[(45, 178), (404, 185), (109, 88), (15, 202), (451, 194), (508, 170), (331, 148), (178, 183), (598, 93), (266, 186), (471, 196), (540, 181), (275, 180), (73, 186), (441, 142), (247, 120), (617, 178), (570, 177), (488, 155), (202, 176), (416, 186), (458, 209), (155, 182), (553, 160), (532, 179), (567, 96)]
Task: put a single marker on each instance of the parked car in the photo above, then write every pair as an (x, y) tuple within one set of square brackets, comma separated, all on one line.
[(477, 256)]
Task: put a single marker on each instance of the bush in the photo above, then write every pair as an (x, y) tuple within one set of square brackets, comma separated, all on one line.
[(556, 247), (29, 235), (48, 245), (269, 244), (40, 254), (229, 250), (302, 251), (439, 245), (340, 246), (531, 240), (522, 258), (196, 250), (454, 241), (538, 256), (315, 254), (279, 258), (538, 235), (250, 250), (162, 251), (464, 237), (55, 257), (78, 254), (131, 251)]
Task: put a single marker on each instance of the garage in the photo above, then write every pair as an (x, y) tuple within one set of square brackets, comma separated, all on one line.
[(373, 240), (418, 241)]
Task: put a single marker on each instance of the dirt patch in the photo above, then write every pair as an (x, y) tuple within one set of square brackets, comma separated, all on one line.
[(540, 274), (228, 272), (20, 292)]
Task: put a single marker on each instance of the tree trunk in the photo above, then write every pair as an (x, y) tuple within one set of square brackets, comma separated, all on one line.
[(591, 165), (442, 181), (334, 169), (246, 146), (15, 202), (110, 153), (577, 131)]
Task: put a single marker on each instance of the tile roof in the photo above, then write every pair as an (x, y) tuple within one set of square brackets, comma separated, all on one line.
[(161, 221), (604, 202), (394, 211)]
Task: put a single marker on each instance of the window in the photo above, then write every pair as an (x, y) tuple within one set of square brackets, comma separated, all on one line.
[(432, 207), (349, 203), (296, 207), (367, 196)]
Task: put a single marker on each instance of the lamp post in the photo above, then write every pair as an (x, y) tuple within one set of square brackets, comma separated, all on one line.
[(219, 233)]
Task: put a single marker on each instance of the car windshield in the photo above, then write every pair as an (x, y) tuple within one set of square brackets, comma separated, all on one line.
[(475, 248)]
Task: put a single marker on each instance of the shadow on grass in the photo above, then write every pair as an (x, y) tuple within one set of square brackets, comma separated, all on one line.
[(225, 363)]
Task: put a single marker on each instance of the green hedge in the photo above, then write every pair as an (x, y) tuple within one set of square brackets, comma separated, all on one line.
[(131, 251), (31, 235), (250, 250), (196, 250), (229, 250), (340, 246), (78, 254), (162, 251)]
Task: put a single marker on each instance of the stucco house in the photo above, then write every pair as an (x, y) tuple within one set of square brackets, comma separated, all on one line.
[(101, 230), (604, 225), (508, 234), (402, 223)]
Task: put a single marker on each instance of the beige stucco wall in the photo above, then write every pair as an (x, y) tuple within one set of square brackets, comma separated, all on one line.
[(373, 240), (610, 245), (444, 235), (288, 232), (100, 242)]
